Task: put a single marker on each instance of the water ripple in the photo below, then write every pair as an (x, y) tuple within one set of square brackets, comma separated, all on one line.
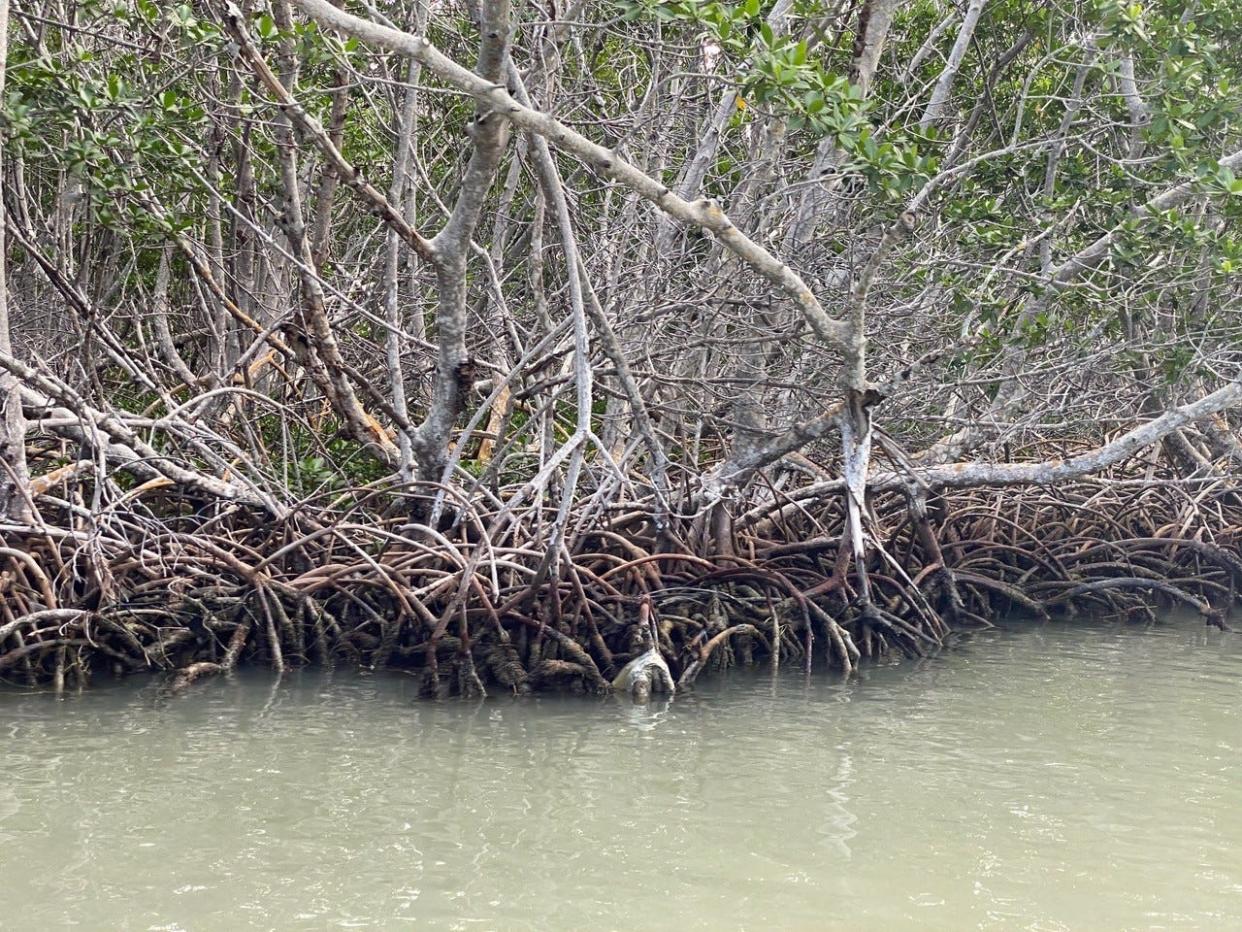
[(1039, 777)]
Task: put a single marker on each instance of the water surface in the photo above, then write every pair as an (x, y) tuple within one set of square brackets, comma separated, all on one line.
[(1036, 777)]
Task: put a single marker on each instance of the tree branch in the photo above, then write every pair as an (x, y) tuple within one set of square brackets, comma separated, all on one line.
[(702, 213)]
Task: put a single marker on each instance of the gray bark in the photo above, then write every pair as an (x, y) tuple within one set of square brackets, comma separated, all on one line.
[(14, 480), (944, 84)]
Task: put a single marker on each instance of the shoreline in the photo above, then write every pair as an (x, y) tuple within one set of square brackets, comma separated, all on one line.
[(474, 616)]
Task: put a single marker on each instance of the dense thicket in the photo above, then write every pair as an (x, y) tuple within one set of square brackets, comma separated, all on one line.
[(364, 323)]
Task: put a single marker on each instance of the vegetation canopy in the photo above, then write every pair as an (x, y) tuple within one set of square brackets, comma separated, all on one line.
[(592, 343)]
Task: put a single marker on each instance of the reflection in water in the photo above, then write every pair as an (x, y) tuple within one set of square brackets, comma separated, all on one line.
[(1041, 778)]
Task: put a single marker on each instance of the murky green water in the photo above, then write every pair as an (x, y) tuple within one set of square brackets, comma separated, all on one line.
[(1034, 778)]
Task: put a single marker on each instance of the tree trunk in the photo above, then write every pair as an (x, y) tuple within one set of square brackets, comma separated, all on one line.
[(14, 480)]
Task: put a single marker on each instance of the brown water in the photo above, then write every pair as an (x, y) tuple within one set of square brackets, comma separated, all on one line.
[(1054, 777)]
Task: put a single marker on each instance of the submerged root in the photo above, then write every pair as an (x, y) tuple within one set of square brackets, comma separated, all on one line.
[(469, 686), (706, 652), (561, 674), (187, 676), (196, 603), (506, 668)]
